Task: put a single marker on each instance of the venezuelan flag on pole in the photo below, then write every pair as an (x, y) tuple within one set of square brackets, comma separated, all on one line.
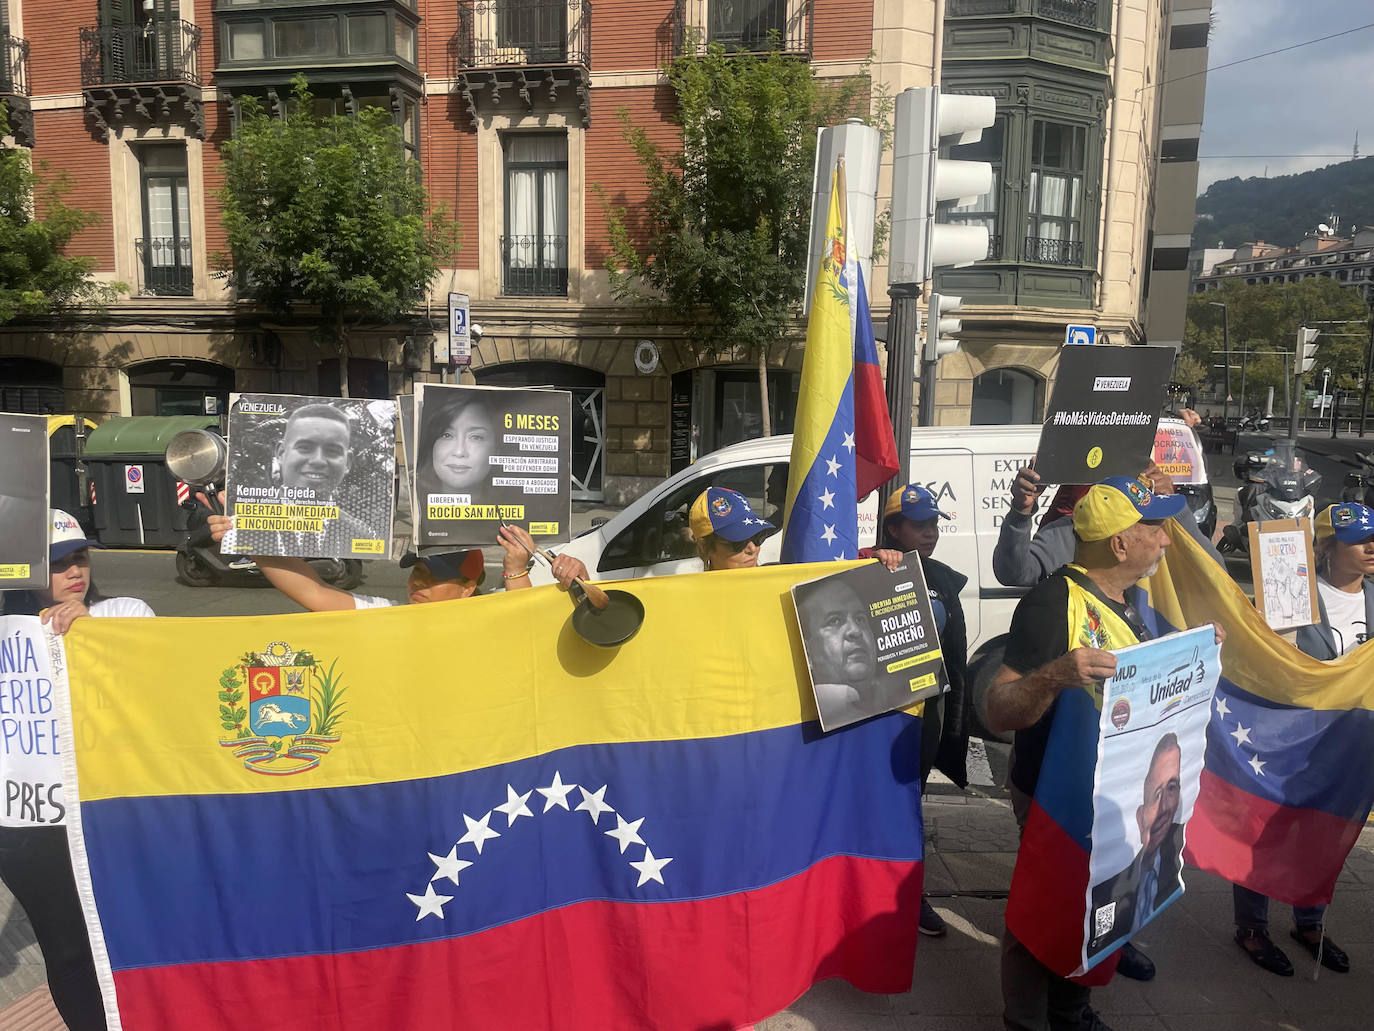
[(821, 518), (1288, 781), (344, 821)]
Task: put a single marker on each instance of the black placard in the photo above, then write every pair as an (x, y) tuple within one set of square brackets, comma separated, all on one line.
[(871, 640), (680, 439), (1102, 417)]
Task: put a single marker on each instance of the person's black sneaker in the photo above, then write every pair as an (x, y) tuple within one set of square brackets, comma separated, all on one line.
[(1333, 957), (931, 921), (1092, 1022), (1263, 951), (1135, 964)]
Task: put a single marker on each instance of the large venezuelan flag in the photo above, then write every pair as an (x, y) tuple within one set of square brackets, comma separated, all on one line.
[(821, 517), (460, 815), (1289, 778)]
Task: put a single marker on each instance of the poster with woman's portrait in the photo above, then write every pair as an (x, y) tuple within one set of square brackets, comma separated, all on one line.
[(490, 454), (310, 477), (23, 502)]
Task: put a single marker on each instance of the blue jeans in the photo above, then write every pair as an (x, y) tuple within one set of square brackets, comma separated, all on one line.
[(1252, 911)]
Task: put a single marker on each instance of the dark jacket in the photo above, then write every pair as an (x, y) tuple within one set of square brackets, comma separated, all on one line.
[(949, 751), (1318, 641)]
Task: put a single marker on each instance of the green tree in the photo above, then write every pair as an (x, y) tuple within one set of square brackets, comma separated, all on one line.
[(329, 211), (726, 226), (1265, 318), (36, 228)]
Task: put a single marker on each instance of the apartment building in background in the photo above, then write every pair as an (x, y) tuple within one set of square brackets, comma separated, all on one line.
[(1347, 260), (511, 107)]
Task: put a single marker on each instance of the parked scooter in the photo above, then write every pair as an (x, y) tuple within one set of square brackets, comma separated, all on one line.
[(200, 564), (1359, 486), (1255, 423), (1275, 484)]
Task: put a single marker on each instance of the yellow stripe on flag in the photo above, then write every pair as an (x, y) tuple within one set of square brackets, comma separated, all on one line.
[(718, 654)]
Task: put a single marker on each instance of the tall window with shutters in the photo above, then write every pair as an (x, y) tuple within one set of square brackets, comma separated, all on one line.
[(534, 249), (165, 247)]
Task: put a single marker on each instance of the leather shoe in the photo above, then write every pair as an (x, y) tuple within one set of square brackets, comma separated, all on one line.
[(1333, 957), (1090, 1021), (1135, 964), (1264, 952)]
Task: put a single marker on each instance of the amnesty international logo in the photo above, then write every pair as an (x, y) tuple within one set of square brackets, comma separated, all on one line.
[(280, 710)]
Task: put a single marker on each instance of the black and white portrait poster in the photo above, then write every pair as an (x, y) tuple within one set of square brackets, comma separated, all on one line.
[(23, 501), (1152, 735), (1102, 416), (870, 640), (405, 409), (487, 454), (311, 477)]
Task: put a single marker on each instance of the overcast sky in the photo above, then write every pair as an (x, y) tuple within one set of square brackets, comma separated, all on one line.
[(1308, 101)]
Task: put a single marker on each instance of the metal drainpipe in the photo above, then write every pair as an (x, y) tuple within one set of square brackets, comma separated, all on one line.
[(1104, 245)]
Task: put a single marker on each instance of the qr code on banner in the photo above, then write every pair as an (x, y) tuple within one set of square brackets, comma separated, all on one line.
[(1104, 919)]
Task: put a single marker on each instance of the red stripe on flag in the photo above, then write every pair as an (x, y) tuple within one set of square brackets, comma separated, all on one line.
[(1048, 900), (875, 451), (711, 963), (1290, 854)]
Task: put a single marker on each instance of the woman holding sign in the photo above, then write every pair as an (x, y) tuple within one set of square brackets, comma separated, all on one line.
[(1345, 600), (34, 863)]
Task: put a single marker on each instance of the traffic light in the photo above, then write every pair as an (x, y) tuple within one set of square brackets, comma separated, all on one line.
[(942, 334), (925, 118), (1306, 354)]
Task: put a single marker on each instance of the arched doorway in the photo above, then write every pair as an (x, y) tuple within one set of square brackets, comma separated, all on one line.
[(179, 386), (588, 389), (30, 386), (1004, 397)]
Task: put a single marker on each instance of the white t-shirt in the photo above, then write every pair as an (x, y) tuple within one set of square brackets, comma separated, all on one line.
[(1344, 614), (371, 601), (122, 608)]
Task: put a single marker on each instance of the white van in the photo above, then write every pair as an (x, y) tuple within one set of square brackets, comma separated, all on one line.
[(969, 468)]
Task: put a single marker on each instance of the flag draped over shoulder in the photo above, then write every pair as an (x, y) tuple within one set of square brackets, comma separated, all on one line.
[(821, 518), (1289, 778), (344, 821), (875, 447)]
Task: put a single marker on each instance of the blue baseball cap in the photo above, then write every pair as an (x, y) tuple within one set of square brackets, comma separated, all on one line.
[(449, 565), (1119, 502), (913, 502), (1350, 523), (727, 514)]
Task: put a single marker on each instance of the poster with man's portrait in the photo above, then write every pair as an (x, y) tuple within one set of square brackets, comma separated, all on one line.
[(484, 455), (23, 502), (310, 477), (870, 639), (1152, 737)]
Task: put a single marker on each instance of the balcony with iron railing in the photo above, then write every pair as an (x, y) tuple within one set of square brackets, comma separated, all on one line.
[(534, 266), (1085, 14), (743, 26), (161, 50), (1043, 250), (495, 34), (164, 267), (14, 66)]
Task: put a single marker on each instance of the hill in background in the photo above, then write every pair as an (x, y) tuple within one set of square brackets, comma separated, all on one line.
[(1283, 209)]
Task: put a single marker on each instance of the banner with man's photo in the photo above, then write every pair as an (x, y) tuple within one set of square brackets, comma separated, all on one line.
[(870, 639), (23, 502), (310, 477), (1153, 734), (487, 455)]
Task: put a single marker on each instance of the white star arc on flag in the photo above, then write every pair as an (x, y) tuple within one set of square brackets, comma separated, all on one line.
[(832, 467), (479, 832), (827, 499)]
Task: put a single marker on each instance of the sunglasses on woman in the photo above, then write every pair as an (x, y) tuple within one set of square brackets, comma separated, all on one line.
[(737, 546)]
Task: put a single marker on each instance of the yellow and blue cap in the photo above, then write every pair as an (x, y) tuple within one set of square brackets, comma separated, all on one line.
[(1349, 522), (728, 514), (1120, 502), (449, 565), (913, 502)]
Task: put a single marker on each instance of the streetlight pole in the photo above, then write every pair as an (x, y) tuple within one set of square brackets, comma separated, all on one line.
[(1226, 349)]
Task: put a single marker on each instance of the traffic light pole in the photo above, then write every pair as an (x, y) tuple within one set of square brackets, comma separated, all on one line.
[(903, 327), (1294, 407)]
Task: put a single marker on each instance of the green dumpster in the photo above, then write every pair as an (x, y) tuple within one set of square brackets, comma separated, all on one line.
[(135, 496)]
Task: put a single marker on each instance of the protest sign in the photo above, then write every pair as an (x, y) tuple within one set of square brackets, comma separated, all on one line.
[(1102, 417), (23, 502), (1284, 572), (488, 454), (1153, 733), (1177, 455), (311, 477), (870, 639), (30, 759)]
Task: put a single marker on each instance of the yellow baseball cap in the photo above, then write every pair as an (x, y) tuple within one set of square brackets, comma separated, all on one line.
[(1349, 523), (728, 514), (1117, 503)]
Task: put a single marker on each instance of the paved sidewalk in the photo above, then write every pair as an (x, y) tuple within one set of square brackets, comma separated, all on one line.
[(1203, 982)]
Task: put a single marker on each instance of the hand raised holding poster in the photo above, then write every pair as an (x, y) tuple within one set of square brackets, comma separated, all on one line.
[(1102, 415)]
